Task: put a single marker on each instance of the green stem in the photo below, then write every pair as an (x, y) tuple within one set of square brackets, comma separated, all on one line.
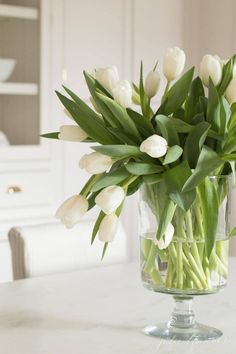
[(156, 277), (193, 246), (194, 266), (166, 90), (170, 273), (86, 189), (151, 259)]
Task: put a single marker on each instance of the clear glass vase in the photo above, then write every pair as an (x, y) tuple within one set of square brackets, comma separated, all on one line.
[(192, 263)]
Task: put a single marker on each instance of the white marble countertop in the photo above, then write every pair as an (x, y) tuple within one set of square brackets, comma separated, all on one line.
[(102, 311)]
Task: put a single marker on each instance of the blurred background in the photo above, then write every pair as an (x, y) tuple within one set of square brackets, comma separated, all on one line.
[(45, 43)]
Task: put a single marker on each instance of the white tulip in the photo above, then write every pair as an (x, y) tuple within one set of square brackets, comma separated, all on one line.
[(108, 77), (72, 133), (110, 198), (122, 93), (154, 146), (230, 92), (72, 210), (210, 67), (166, 239), (152, 83), (95, 163), (108, 228), (173, 63)]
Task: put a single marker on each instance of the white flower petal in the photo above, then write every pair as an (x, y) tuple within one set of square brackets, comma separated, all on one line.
[(110, 198), (95, 163), (108, 228), (155, 146), (173, 63), (72, 133), (166, 239)]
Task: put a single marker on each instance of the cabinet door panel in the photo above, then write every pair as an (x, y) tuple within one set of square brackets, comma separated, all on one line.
[(94, 32), (157, 25)]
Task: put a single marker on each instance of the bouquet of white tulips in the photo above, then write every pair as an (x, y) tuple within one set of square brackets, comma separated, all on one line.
[(173, 149)]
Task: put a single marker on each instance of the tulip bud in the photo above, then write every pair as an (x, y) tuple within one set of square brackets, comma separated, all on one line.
[(110, 198), (152, 84), (72, 210), (154, 146), (108, 228), (108, 77), (210, 67), (167, 238), (95, 163), (135, 98), (72, 133), (230, 92), (122, 93), (173, 63)]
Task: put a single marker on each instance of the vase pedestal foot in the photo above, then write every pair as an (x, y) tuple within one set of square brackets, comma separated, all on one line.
[(198, 332), (182, 324)]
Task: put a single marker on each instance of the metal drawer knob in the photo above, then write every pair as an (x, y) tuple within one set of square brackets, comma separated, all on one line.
[(13, 189)]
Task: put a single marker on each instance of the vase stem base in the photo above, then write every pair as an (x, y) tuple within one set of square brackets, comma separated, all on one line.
[(197, 332)]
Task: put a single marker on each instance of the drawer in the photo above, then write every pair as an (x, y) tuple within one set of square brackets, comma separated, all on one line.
[(24, 189)]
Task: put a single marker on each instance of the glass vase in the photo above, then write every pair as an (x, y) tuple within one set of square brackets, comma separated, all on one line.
[(187, 262)]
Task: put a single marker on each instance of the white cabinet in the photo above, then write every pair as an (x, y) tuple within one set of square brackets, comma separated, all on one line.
[(30, 167)]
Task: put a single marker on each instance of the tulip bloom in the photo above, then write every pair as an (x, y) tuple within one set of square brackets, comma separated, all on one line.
[(154, 146), (95, 163), (166, 239), (152, 84), (230, 92), (72, 210), (108, 77), (173, 63), (122, 93), (108, 228), (72, 133), (210, 67), (110, 198)]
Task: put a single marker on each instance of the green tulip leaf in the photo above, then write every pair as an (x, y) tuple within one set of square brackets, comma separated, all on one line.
[(122, 116), (152, 179), (97, 225), (53, 135), (175, 178), (173, 153), (166, 218), (167, 130), (207, 163), (213, 107), (143, 125), (210, 209), (194, 143), (140, 168), (177, 94), (111, 178), (88, 120), (122, 151), (190, 106), (227, 75)]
